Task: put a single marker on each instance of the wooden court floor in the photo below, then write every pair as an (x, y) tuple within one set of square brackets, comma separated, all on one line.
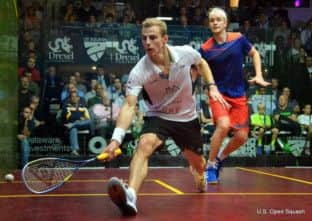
[(169, 194)]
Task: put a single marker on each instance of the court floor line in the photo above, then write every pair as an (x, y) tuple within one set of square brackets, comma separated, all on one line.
[(274, 175), (79, 181), (169, 187), (156, 194)]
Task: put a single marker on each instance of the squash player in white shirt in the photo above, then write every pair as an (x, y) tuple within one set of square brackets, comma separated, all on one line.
[(163, 78)]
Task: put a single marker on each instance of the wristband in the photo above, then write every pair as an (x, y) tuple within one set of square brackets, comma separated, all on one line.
[(211, 84), (118, 134)]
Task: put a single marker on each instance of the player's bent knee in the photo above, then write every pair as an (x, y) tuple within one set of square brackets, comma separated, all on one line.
[(147, 146), (241, 136)]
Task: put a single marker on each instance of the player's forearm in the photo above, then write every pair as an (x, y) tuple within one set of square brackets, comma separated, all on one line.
[(256, 59), (125, 116)]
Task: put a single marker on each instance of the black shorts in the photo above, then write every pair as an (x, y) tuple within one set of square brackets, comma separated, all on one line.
[(185, 134)]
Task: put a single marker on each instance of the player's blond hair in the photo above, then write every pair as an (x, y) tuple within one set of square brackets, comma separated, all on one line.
[(217, 11), (149, 22)]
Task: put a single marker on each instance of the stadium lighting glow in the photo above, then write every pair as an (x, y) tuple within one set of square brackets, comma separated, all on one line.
[(165, 18)]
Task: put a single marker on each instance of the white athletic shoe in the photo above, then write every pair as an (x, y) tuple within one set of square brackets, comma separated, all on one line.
[(123, 197), (200, 180)]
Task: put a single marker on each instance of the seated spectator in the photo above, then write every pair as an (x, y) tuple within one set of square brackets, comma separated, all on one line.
[(25, 127), (115, 92), (104, 115), (305, 120), (282, 30), (71, 87), (32, 21), (291, 102), (306, 37), (33, 87), (260, 123), (169, 9), (80, 82), (262, 97), (92, 90), (197, 18), (274, 90), (249, 31), (284, 120), (101, 76), (36, 111), (30, 67), (67, 12), (100, 93), (86, 10), (53, 85), (76, 117), (24, 93), (108, 10)]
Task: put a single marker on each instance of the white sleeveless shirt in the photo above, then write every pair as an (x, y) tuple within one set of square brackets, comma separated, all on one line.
[(166, 96)]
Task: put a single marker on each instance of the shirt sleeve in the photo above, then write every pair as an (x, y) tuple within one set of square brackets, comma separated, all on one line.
[(134, 83), (192, 56)]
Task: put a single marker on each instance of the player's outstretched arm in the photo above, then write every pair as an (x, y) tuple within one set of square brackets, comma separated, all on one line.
[(124, 121), (256, 59)]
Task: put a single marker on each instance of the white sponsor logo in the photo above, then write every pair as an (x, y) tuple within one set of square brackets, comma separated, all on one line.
[(61, 50), (119, 52)]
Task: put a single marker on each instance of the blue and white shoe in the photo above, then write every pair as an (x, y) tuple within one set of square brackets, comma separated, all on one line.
[(219, 164), (123, 198), (211, 174)]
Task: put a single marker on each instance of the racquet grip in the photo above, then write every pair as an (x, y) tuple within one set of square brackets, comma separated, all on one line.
[(104, 156)]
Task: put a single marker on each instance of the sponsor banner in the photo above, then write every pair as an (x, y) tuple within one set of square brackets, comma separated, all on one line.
[(113, 45), (118, 45)]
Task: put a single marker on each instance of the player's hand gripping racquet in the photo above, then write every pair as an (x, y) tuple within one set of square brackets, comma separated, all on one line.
[(47, 174)]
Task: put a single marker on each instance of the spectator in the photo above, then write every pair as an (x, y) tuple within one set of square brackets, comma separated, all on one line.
[(291, 102), (264, 98), (306, 37), (24, 93), (284, 120), (100, 94), (92, 91), (249, 31), (274, 90), (68, 12), (300, 80), (169, 9), (25, 127), (30, 67), (76, 117), (80, 82), (305, 120), (282, 30), (70, 87), (115, 92), (86, 10), (280, 67), (260, 123), (33, 87), (53, 85)]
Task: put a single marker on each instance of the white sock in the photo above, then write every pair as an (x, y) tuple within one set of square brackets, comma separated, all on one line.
[(211, 163), (132, 192)]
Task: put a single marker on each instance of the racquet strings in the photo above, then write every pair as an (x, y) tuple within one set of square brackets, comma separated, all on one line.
[(46, 174)]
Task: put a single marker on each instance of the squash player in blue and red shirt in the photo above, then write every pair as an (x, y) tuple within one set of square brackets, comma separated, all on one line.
[(225, 53)]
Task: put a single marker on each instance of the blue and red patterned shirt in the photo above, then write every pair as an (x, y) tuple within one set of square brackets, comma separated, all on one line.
[(226, 63)]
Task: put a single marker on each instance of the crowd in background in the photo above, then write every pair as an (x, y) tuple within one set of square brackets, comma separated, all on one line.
[(91, 101)]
